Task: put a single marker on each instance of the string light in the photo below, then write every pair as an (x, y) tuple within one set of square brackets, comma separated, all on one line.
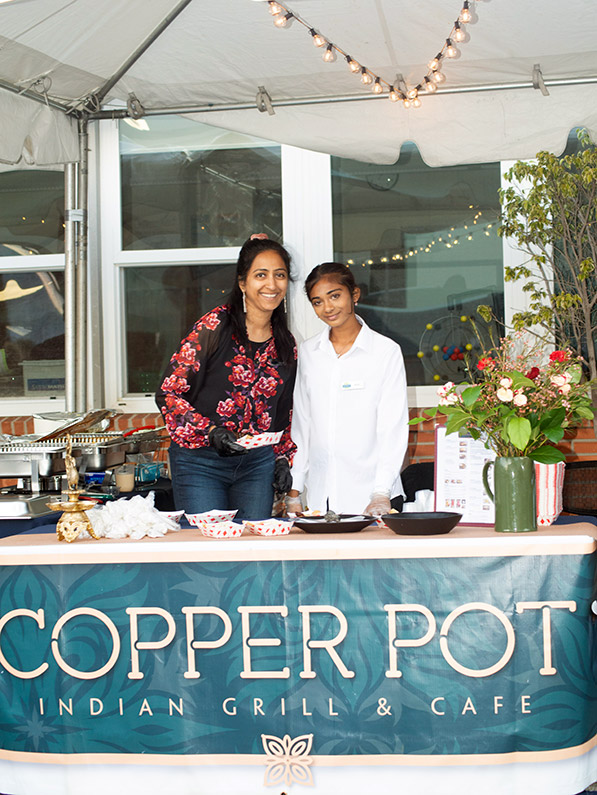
[(426, 248), (465, 14), (353, 65), (434, 63), (318, 39), (329, 55), (451, 50), (459, 34), (410, 97), (283, 20), (366, 78), (430, 86)]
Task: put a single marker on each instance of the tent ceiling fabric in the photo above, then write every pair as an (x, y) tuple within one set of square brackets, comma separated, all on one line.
[(218, 53)]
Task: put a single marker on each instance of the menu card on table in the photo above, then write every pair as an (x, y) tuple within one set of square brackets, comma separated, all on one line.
[(459, 462)]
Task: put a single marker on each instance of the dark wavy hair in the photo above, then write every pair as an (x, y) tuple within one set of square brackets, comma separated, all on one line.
[(282, 336), (340, 272)]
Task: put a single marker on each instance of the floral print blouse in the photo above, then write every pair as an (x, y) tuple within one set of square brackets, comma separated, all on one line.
[(213, 379)]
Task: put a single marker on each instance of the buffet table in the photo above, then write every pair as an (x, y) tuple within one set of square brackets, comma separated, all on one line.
[(345, 661)]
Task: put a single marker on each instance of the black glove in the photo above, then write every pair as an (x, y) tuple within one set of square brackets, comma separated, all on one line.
[(282, 477), (224, 442)]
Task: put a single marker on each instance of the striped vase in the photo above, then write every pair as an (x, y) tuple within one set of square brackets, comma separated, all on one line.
[(549, 479)]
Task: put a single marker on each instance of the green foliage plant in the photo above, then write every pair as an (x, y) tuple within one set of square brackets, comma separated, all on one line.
[(550, 210), (521, 400)]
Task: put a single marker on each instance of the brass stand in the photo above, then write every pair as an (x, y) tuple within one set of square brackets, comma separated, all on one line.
[(73, 520)]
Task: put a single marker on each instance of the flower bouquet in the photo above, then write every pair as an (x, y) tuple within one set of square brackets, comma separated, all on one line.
[(520, 401), (521, 406)]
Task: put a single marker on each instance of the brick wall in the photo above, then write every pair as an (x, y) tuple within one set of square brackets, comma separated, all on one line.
[(580, 444)]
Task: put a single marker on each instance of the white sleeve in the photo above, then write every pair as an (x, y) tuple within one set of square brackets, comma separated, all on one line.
[(392, 424), (299, 431)]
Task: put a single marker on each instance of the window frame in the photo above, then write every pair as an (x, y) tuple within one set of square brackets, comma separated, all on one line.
[(307, 232)]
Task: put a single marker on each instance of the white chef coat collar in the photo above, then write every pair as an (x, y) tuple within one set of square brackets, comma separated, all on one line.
[(363, 339)]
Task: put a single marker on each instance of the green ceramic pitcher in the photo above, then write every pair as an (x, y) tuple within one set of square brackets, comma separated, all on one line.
[(514, 498)]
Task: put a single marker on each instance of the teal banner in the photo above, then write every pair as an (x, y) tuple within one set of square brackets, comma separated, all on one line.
[(451, 656)]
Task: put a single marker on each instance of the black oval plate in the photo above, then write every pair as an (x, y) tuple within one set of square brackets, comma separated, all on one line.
[(431, 523), (349, 523)]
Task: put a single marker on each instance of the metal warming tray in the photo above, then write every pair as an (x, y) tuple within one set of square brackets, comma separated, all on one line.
[(98, 451), (27, 458)]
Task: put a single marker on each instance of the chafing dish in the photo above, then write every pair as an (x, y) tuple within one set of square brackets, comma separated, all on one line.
[(32, 459), (95, 452)]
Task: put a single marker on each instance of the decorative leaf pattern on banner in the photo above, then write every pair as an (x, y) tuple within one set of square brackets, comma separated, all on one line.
[(369, 713)]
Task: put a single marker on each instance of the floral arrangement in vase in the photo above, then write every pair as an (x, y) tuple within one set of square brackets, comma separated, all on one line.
[(521, 399)]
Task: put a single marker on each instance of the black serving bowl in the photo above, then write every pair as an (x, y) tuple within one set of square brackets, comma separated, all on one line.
[(422, 524)]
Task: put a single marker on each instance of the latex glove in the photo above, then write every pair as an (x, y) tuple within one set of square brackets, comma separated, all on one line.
[(293, 505), (379, 504), (282, 477), (224, 442)]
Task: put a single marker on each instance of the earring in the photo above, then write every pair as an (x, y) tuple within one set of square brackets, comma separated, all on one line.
[(244, 304), (285, 305)]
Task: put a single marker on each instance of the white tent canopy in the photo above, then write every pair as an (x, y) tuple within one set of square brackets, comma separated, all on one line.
[(214, 56)]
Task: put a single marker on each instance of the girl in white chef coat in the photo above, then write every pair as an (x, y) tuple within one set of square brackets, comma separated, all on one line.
[(350, 414)]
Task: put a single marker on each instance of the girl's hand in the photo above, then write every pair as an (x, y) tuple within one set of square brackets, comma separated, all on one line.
[(380, 504)]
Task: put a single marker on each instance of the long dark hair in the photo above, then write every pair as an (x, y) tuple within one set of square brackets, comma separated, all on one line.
[(340, 272), (282, 336)]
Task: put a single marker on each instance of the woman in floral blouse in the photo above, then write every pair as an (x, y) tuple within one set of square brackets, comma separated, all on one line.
[(231, 381)]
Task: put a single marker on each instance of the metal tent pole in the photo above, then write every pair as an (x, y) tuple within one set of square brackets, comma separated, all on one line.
[(81, 272), (70, 258)]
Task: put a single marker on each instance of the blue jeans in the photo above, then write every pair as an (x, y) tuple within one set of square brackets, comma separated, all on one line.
[(202, 481)]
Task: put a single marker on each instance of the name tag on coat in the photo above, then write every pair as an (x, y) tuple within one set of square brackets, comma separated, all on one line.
[(346, 386)]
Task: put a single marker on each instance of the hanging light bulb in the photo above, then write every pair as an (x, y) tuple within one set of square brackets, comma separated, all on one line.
[(451, 51), (439, 77), (465, 14), (406, 103), (318, 39), (353, 65), (275, 8), (434, 63), (416, 103), (283, 20), (394, 95), (377, 87), (430, 86), (329, 55), (412, 93), (366, 78), (459, 34)]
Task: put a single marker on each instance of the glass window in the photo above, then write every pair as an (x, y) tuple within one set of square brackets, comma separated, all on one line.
[(31, 334), (161, 305), (31, 212), (188, 185), (423, 245)]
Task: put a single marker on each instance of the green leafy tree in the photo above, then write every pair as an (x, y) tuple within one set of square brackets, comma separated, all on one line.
[(550, 209)]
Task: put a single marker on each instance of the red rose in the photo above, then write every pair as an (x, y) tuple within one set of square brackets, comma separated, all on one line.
[(486, 362), (533, 373), (558, 356)]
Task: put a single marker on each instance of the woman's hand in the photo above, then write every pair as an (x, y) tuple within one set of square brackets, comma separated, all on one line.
[(282, 477), (379, 504), (293, 503), (224, 442)]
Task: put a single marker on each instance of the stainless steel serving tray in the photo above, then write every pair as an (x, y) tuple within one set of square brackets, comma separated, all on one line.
[(14, 506), (18, 460), (99, 451)]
